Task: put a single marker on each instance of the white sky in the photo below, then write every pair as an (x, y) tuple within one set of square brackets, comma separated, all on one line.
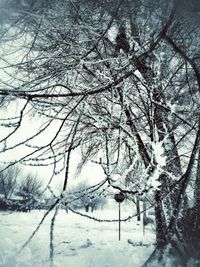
[(91, 172)]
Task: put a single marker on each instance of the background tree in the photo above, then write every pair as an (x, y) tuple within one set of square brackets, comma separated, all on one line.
[(30, 187), (86, 197), (8, 181)]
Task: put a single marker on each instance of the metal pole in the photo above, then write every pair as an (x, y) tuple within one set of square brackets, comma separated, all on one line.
[(119, 221)]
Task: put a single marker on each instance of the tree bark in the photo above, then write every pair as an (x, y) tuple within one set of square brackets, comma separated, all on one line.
[(138, 209), (160, 221), (197, 184)]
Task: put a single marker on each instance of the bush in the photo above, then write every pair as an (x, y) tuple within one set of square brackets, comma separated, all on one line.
[(14, 205)]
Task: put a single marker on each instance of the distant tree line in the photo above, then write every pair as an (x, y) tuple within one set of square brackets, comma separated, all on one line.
[(18, 192), (80, 197)]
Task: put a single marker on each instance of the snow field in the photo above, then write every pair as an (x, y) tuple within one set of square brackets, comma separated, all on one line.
[(79, 241)]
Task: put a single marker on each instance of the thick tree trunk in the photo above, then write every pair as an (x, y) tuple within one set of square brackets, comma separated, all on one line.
[(160, 221)]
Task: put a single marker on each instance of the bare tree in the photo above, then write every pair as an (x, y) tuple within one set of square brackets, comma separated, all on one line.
[(8, 181), (30, 187), (83, 197)]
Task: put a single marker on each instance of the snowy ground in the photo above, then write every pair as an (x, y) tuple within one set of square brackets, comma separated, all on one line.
[(79, 242)]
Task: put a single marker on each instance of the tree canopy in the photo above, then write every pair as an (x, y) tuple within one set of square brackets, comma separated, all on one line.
[(118, 80)]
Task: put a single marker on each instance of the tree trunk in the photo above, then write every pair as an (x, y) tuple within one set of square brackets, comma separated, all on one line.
[(87, 208), (197, 184), (138, 209), (144, 220), (144, 210), (160, 221), (92, 208)]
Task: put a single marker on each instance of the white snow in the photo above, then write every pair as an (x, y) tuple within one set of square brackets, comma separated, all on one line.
[(159, 153), (160, 159), (79, 242)]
